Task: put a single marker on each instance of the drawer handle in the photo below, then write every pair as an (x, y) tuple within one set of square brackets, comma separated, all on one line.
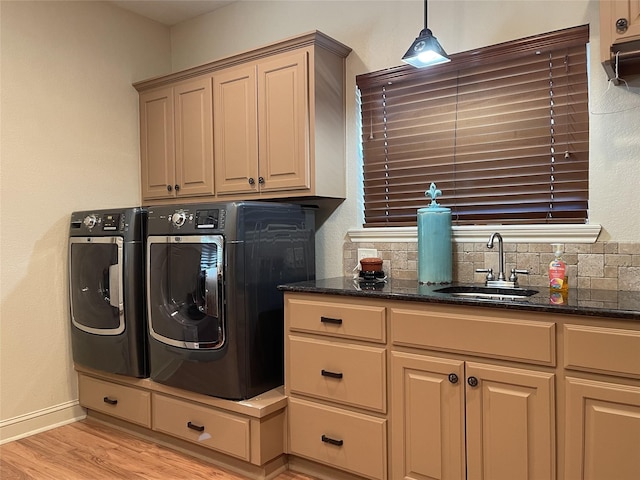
[(327, 373), (110, 401), (332, 441), (335, 321), (197, 428)]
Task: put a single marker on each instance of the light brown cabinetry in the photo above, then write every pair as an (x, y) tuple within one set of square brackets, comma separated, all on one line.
[(453, 418), (245, 436), (262, 118), (176, 140), (619, 24), (336, 379), (268, 123), (602, 411)]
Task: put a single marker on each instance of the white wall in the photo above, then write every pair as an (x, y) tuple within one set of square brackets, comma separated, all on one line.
[(69, 141), (379, 32)]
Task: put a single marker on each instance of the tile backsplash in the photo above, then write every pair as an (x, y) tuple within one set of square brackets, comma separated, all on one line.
[(601, 265)]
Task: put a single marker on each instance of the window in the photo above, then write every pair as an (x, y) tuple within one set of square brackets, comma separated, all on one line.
[(503, 131)]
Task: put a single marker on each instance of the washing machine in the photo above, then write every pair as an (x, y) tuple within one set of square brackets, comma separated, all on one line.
[(106, 290), (215, 315)]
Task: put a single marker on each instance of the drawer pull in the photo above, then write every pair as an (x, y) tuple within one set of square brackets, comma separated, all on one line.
[(110, 401), (335, 321), (327, 373), (332, 441), (197, 428)]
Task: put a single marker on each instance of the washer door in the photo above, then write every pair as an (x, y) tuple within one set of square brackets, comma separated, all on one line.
[(95, 284), (185, 291)]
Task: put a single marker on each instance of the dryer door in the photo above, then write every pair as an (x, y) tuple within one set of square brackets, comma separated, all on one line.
[(185, 291), (95, 284)]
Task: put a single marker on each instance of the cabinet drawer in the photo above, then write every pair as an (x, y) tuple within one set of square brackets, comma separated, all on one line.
[(204, 426), (494, 337), (600, 349), (339, 438), (338, 319), (346, 373), (127, 403)]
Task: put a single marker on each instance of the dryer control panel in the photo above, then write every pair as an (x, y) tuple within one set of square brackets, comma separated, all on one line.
[(126, 223)]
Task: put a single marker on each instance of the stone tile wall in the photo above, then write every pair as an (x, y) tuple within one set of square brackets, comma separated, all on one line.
[(601, 265)]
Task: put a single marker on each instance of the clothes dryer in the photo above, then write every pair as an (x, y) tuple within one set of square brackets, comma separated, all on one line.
[(106, 290), (215, 315)]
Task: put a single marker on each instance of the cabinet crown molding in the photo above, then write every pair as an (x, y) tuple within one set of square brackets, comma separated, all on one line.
[(313, 38)]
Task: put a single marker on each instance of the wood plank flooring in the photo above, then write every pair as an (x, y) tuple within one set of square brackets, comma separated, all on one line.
[(90, 451)]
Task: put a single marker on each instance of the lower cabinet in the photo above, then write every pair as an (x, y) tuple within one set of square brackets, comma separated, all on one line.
[(245, 436), (453, 419), (222, 431)]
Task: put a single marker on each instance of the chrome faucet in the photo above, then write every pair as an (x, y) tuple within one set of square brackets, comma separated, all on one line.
[(502, 280), (501, 276)]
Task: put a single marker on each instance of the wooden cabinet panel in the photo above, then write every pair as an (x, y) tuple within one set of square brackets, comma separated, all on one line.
[(609, 350), (194, 138), (340, 438), (205, 426), (283, 122), (119, 401), (355, 321), (236, 130), (602, 430), (157, 150), (510, 423), (441, 329), (345, 373), (427, 418)]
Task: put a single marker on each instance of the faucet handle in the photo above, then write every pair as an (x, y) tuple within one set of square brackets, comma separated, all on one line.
[(514, 277), (488, 271)]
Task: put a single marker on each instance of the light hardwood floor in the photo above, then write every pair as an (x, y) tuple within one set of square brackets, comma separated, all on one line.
[(90, 451)]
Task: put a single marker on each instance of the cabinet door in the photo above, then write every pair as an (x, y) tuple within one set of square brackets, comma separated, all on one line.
[(157, 154), (602, 430), (194, 138), (510, 423), (427, 418), (236, 130), (283, 122)]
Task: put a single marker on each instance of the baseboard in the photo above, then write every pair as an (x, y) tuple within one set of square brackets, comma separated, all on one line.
[(41, 420)]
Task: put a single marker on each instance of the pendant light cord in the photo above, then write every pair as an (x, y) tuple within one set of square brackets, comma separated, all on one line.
[(425, 13)]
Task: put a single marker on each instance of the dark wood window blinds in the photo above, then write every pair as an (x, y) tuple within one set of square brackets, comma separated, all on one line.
[(503, 131)]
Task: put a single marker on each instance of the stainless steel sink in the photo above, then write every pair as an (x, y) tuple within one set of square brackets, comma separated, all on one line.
[(493, 293)]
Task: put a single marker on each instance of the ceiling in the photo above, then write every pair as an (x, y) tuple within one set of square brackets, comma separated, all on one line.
[(170, 12)]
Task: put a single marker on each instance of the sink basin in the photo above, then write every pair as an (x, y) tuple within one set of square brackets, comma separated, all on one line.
[(494, 293)]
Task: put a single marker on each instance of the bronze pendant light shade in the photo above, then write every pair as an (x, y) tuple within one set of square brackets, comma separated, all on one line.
[(425, 49)]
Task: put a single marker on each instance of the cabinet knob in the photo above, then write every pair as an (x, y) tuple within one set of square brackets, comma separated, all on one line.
[(177, 187), (622, 24), (169, 188), (251, 181), (261, 180), (453, 378), (472, 381)]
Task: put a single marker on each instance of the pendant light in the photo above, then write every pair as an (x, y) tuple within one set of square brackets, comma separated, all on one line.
[(425, 49)]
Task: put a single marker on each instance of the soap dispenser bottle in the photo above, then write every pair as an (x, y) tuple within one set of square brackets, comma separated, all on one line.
[(558, 271)]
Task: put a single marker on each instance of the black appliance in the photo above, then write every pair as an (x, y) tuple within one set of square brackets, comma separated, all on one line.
[(215, 315), (106, 290)]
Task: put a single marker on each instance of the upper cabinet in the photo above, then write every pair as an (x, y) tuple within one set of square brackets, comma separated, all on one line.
[(176, 140), (620, 26), (265, 124)]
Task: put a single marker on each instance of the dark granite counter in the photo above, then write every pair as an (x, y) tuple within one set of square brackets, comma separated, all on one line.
[(601, 303)]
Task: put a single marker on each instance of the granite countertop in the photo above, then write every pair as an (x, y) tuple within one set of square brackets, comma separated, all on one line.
[(607, 303)]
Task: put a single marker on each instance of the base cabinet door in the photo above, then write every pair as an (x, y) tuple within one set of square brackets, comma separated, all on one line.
[(602, 430), (462, 420), (510, 420), (427, 435)]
